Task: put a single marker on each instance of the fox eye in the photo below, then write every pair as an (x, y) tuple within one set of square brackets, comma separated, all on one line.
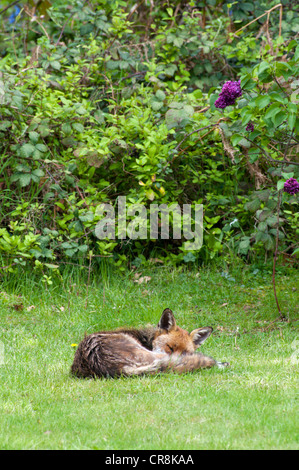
[(169, 347)]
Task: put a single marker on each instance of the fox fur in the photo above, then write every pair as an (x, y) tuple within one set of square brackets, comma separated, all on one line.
[(126, 352)]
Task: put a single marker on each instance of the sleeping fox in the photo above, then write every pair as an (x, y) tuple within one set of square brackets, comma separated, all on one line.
[(126, 352)]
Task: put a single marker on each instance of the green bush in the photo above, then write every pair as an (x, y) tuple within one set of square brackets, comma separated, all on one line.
[(119, 100)]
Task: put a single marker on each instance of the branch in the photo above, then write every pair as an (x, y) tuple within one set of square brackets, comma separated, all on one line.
[(10, 5), (266, 154), (267, 12), (63, 27), (275, 255)]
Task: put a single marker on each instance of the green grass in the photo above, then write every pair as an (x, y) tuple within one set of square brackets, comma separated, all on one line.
[(251, 405)]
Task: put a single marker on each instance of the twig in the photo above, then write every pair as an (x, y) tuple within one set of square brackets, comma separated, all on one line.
[(269, 156), (9, 266), (35, 18), (194, 132), (277, 232), (275, 255), (266, 13), (89, 268), (186, 137), (131, 12), (8, 6), (63, 27)]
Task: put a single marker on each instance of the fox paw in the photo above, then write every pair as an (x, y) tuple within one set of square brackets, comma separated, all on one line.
[(221, 365)]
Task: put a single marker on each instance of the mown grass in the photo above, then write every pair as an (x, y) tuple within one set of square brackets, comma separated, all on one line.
[(251, 405)]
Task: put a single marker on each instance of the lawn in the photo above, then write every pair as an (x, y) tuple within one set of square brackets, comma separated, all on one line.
[(250, 405)]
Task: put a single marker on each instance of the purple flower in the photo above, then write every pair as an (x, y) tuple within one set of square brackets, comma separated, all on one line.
[(228, 95), (291, 186), (250, 127)]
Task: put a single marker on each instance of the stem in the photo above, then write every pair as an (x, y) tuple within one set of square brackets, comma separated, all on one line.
[(8, 6), (267, 12), (275, 255), (87, 287)]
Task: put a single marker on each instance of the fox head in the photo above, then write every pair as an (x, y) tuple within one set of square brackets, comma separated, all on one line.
[(171, 339)]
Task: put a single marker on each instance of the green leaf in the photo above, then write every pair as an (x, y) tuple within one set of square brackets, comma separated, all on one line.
[(123, 64), (86, 28), (51, 266), (150, 194), (261, 236), (272, 111), (78, 226), (71, 252), (264, 72), (226, 130), (269, 243), (280, 184), (81, 110), (262, 226), (66, 245), (34, 136), (272, 220), (26, 150), (42, 147), (87, 217), (262, 101), (56, 65), (291, 120), (5, 125), (253, 205), (279, 118), (245, 143), (263, 66), (66, 128), (235, 139), (170, 70), (244, 246), (274, 95), (37, 155), (43, 130), (189, 258), (178, 42), (83, 248), (24, 179), (156, 105), (69, 141), (78, 127), (246, 115), (287, 175), (263, 195), (173, 117), (38, 172), (160, 95), (247, 83), (263, 214)]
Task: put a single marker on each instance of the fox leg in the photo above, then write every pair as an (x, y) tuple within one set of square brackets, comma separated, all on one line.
[(222, 365), (191, 362)]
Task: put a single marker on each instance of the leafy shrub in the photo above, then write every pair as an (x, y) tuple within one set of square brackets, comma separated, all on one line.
[(120, 100)]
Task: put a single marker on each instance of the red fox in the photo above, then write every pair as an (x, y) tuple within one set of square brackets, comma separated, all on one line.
[(126, 352)]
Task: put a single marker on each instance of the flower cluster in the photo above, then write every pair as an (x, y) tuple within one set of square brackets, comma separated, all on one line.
[(250, 127), (291, 186), (228, 95)]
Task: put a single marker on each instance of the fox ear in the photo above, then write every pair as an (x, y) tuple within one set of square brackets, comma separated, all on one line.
[(167, 320), (200, 335)]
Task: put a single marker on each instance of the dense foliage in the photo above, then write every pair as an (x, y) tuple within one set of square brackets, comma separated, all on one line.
[(107, 99)]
